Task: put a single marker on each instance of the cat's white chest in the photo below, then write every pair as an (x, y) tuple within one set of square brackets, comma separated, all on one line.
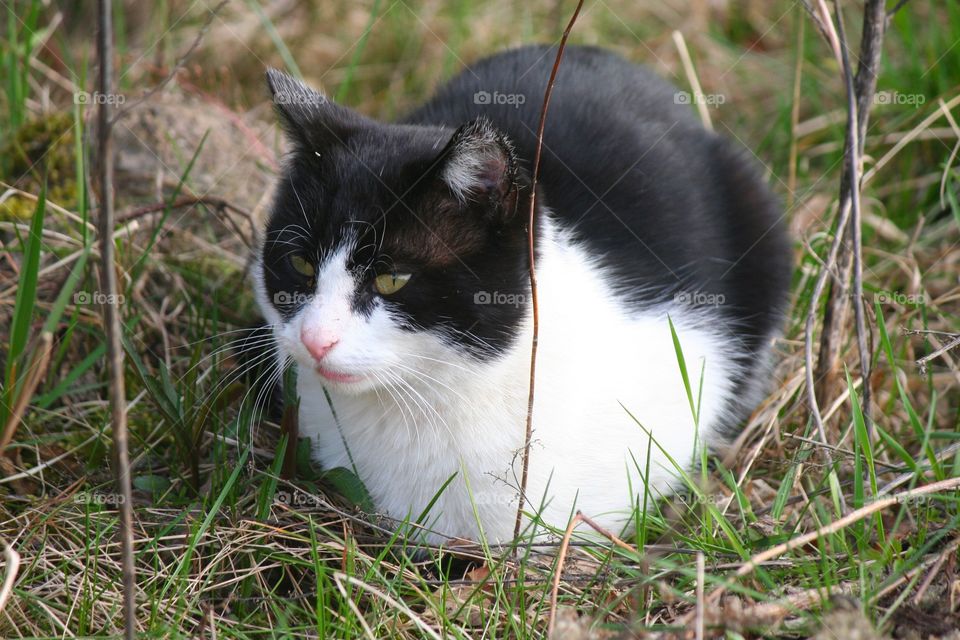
[(406, 444), (609, 387)]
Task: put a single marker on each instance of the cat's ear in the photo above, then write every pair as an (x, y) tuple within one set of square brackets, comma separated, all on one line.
[(309, 117), (479, 166)]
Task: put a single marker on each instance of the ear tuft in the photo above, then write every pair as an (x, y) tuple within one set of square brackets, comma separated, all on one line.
[(309, 117), (479, 162), (295, 102)]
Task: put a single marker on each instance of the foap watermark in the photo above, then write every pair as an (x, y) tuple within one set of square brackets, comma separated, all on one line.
[(85, 97), (911, 501), (709, 99), (699, 298), (287, 298), (98, 297), (691, 498), (302, 99), (297, 499), (512, 99), (500, 298), (111, 499), (900, 298), (495, 498), (896, 97)]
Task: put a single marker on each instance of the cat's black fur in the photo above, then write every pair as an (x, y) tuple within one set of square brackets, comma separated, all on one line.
[(665, 205)]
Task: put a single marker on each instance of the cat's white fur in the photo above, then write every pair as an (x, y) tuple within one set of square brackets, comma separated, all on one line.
[(425, 412)]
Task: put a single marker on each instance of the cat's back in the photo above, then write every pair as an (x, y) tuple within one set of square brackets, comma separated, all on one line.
[(597, 97)]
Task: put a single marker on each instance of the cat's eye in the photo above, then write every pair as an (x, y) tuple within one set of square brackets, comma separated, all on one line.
[(302, 266), (388, 283)]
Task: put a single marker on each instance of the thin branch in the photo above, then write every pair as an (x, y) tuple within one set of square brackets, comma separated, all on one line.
[(818, 288), (896, 8), (111, 314), (922, 362), (528, 436), (181, 61), (853, 164), (216, 203), (865, 84)]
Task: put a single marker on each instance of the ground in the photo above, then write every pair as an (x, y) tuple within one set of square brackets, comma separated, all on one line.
[(231, 542)]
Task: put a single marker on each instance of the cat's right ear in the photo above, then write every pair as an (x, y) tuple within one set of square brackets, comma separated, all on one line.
[(311, 119), (480, 168)]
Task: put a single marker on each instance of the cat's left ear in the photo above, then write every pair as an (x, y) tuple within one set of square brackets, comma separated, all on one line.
[(311, 119), (480, 167)]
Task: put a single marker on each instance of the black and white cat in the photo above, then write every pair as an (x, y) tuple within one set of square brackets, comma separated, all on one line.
[(394, 273)]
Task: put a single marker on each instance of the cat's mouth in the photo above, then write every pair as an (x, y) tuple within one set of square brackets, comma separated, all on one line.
[(337, 376)]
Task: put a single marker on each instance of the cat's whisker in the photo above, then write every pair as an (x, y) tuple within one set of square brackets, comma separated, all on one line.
[(222, 350), (305, 231), (423, 403), (294, 231), (264, 393), (237, 374), (306, 218), (269, 373), (428, 379), (398, 399), (221, 334), (245, 343), (444, 362)]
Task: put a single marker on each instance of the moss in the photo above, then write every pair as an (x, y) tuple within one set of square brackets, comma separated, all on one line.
[(40, 148)]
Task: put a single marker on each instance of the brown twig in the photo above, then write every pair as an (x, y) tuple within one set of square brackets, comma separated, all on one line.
[(922, 362), (111, 313), (865, 84), (854, 149), (810, 323), (528, 436), (845, 257), (176, 67), (215, 202), (184, 201), (896, 8)]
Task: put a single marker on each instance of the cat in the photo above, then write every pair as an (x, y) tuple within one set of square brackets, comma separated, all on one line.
[(394, 274)]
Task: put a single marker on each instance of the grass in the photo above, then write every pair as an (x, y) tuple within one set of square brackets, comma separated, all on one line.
[(229, 546)]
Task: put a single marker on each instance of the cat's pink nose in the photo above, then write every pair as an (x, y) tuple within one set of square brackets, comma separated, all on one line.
[(318, 343)]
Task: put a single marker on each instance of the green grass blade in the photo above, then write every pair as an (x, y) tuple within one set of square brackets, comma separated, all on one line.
[(24, 304)]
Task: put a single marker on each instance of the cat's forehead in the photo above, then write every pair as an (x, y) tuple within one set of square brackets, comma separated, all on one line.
[(387, 215)]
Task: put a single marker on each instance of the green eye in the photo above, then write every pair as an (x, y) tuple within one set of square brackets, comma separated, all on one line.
[(302, 266), (390, 282)]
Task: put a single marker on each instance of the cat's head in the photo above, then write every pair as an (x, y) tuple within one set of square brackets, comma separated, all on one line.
[(391, 246)]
